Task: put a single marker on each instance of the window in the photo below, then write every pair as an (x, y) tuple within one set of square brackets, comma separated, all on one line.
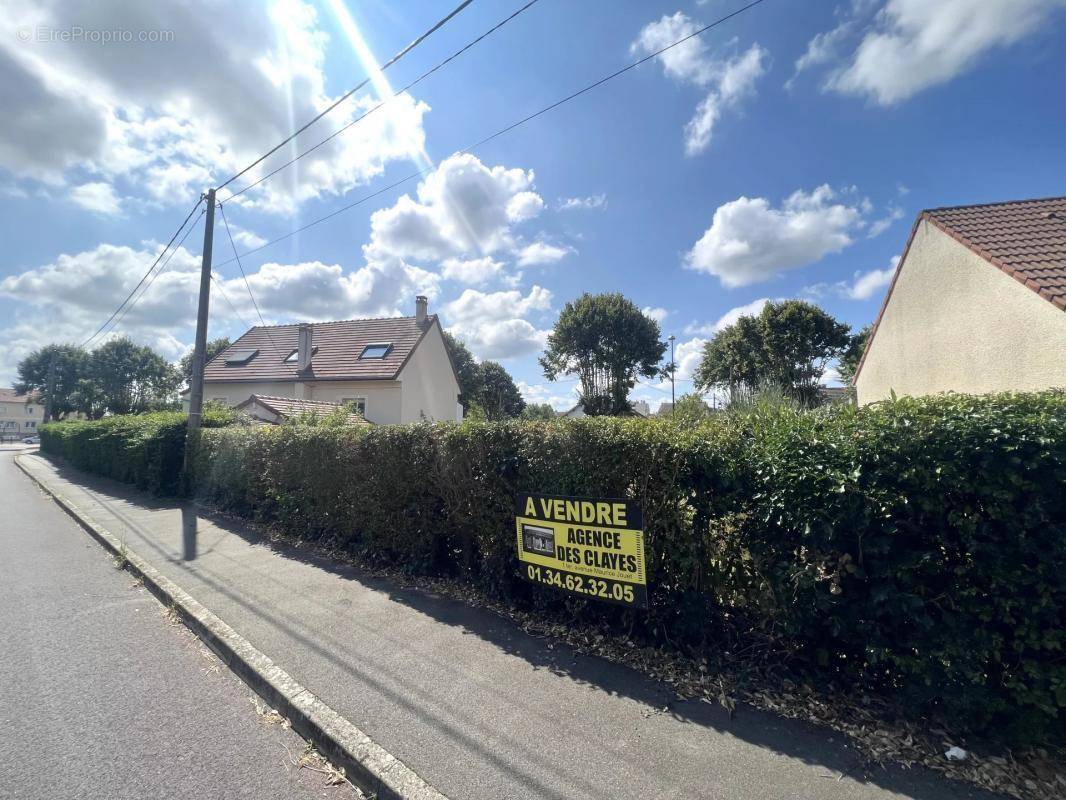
[(376, 350), (236, 357), (30, 410), (31, 424), (295, 354), (359, 403)]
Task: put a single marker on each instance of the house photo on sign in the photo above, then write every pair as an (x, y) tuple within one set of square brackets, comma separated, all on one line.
[(588, 547)]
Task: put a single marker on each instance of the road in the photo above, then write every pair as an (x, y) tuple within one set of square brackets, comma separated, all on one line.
[(102, 696)]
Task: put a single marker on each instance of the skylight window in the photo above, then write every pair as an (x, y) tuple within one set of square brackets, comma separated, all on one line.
[(376, 350), (238, 357), (294, 356)]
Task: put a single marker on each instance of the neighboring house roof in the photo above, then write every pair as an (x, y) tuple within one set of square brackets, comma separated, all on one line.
[(835, 394), (337, 347), (289, 407), (665, 409), (11, 396), (1026, 239)]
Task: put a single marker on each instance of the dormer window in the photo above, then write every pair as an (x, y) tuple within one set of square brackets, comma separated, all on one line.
[(294, 356), (238, 357), (375, 350)]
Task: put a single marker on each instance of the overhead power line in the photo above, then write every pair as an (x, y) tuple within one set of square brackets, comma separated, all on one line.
[(247, 285), (502, 131), (370, 111), (146, 275), (437, 26)]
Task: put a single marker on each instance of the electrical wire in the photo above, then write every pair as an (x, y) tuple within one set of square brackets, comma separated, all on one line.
[(502, 131), (396, 94), (350, 92), (233, 308), (247, 284), (144, 277)]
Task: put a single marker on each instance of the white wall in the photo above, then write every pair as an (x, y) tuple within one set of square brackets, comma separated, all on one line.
[(382, 397), (957, 323), (430, 390)]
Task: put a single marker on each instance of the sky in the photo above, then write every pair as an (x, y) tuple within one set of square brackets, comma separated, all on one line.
[(783, 154)]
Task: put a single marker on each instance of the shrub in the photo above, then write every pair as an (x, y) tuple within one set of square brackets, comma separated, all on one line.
[(916, 547), (147, 450)]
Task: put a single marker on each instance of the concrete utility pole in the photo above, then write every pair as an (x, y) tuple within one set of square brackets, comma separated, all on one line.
[(673, 369), (196, 385), (50, 390)]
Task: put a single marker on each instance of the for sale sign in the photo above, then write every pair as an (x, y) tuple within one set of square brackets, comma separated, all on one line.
[(592, 548)]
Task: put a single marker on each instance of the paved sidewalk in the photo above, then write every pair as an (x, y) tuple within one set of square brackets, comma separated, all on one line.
[(477, 708)]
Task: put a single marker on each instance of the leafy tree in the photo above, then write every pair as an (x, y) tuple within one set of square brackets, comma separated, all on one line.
[(538, 411), (608, 343), (214, 347), (690, 410), (497, 394), (849, 362), (71, 368), (130, 378), (466, 369), (788, 344)]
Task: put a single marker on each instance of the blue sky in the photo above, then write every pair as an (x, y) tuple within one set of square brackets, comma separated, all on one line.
[(783, 154)]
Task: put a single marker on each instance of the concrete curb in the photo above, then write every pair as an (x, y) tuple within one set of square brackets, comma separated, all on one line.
[(367, 764)]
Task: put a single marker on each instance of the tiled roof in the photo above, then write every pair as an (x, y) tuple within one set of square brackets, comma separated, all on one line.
[(292, 406), (1026, 239), (338, 346), (11, 396)]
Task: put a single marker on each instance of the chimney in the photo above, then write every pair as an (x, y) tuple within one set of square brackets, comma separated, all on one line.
[(421, 308), (303, 352)]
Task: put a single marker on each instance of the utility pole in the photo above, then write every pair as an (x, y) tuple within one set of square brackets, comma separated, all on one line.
[(673, 369), (196, 385), (50, 390)]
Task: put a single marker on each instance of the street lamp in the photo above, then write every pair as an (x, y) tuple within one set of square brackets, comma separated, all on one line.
[(673, 369)]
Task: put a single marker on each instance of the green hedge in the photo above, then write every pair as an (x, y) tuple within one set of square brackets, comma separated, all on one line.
[(916, 548), (147, 450)]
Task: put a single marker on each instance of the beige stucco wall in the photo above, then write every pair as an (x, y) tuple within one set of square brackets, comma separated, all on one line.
[(20, 418), (430, 390), (382, 397), (957, 323)]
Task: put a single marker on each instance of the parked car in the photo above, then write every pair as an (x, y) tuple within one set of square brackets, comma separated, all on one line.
[(32, 440)]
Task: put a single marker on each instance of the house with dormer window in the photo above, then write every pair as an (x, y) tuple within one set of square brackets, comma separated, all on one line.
[(392, 370)]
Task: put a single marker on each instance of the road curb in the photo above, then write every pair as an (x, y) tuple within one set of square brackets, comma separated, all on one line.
[(368, 765)]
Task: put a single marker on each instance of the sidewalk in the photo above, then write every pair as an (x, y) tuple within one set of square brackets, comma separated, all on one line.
[(477, 708)]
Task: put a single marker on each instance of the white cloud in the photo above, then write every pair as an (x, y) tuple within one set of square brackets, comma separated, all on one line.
[(116, 110), (542, 253), (879, 226), (729, 79), (862, 286), (752, 309), (912, 45), (247, 239), (97, 197), (475, 271), (656, 313), (462, 208), (592, 201), (492, 324), (554, 394), (750, 241)]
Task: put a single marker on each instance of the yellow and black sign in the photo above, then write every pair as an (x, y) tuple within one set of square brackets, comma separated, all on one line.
[(593, 548)]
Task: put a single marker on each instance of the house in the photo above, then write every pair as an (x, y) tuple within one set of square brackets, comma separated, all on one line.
[(835, 395), (637, 409), (392, 370), (276, 410), (665, 410), (20, 414), (977, 304)]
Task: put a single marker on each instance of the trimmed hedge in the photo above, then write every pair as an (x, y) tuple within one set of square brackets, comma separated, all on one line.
[(916, 548), (147, 450)]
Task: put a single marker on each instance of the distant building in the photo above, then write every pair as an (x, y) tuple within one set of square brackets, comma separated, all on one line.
[(835, 395), (276, 410), (978, 304), (391, 370), (665, 410), (642, 408), (638, 409), (20, 414)]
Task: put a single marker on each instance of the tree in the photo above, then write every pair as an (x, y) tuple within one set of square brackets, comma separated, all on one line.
[(71, 368), (690, 410), (538, 411), (214, 347), (130, 378), (498, 396), (789, 344), (466, 369), (849, 361), (608, 343)]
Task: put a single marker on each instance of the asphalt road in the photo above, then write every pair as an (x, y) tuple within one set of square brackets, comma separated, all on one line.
[(101, 696)]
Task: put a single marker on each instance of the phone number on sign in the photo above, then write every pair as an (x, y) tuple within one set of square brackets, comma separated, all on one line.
[(596, 587)]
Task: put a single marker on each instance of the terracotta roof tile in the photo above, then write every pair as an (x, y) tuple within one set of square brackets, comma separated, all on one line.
[(337, 345), (11, 396), (292, 406), (1026, 239)]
